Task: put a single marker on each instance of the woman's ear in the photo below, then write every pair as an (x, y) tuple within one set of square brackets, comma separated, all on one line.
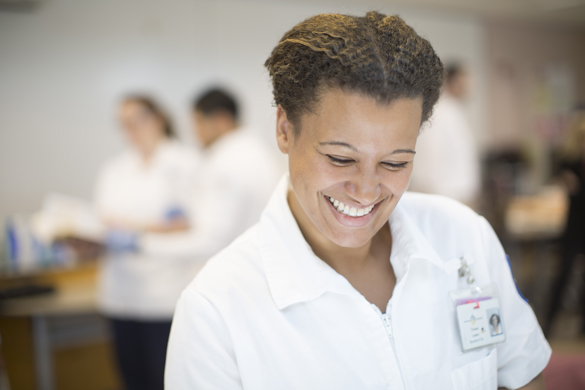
[(283, 130)]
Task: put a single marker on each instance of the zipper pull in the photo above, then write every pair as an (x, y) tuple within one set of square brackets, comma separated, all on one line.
[(387, 324)]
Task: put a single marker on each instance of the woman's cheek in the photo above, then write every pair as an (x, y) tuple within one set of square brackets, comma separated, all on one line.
[(405, 178), (396, 181)]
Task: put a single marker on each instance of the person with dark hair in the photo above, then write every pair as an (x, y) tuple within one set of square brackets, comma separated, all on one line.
[(215, 114), (447, 160), (456, 80), (236, 175), (139, 192), (344, 279)]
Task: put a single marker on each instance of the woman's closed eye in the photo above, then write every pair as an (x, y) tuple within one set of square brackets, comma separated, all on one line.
[(340, 161), (395, 166)]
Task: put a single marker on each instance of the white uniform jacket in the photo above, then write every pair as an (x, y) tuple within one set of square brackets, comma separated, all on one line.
[(140, 285), (266, 313)]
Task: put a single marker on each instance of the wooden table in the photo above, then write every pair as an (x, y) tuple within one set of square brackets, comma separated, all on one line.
[(50, 314)]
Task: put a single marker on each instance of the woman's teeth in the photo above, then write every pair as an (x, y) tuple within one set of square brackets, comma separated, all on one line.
[(350, 211)]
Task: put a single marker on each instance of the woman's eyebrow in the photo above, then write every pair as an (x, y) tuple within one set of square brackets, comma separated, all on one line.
[(397, 151), (337, 143), (344, 144)]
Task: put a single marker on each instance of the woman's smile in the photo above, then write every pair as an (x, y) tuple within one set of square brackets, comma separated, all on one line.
[(349, 214)]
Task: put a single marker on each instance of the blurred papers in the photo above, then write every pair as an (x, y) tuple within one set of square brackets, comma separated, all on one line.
[(64, 216)]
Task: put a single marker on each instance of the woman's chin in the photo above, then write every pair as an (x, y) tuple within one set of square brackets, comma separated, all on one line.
[(350, 239)]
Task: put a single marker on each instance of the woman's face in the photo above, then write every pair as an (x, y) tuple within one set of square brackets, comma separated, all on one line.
[(495, 321), (142, 128), (353, 153)]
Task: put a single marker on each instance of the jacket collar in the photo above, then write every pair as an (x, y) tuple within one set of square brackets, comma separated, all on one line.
[(295, 274), (409, 243)]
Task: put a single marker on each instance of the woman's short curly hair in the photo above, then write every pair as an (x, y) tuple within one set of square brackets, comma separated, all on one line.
[(376, 55)]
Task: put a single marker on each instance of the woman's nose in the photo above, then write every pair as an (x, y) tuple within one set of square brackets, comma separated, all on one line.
[(364, 187)]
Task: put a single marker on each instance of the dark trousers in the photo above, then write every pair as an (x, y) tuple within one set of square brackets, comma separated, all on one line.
[(141, 349)]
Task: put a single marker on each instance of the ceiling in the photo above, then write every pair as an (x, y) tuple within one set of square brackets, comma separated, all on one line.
[(559, 12), (554, 11)]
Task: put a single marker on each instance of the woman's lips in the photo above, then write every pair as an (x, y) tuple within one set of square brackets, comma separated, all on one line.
[(346, 218)]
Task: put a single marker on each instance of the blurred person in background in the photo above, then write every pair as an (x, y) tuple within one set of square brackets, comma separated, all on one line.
[(237, 173), (447, 161), (144, 190), (572, 176)]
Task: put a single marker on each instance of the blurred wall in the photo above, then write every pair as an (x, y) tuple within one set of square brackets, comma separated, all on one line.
[(536, 76), (64, 65), (533, 70)]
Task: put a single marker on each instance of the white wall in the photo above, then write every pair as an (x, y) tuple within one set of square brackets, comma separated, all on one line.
[(64, 66)]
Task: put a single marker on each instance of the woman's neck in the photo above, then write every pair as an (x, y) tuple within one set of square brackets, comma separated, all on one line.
[(148, 151)]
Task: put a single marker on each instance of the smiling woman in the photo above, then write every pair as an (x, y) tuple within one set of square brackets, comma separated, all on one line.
[(327, 159), (343, 281)]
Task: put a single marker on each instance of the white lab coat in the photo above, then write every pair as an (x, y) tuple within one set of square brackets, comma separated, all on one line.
[(140, 285), (266, 313), (447, 161), (236, 176)]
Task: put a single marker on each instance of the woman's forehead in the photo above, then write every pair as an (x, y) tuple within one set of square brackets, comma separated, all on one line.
[(342, 105), (352, 118)]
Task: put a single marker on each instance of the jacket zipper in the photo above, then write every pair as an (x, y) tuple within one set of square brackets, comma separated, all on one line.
[(390, 332)]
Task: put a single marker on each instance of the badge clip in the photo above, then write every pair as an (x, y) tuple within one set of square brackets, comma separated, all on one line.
[(478, 312)]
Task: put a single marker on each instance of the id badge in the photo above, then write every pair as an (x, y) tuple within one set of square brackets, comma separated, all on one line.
[(478, 315)]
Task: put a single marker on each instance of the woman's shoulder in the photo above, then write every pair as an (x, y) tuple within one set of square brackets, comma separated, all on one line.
[(118, 161), (451, 230), (444, 222), (176, 152), (419, 205)]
